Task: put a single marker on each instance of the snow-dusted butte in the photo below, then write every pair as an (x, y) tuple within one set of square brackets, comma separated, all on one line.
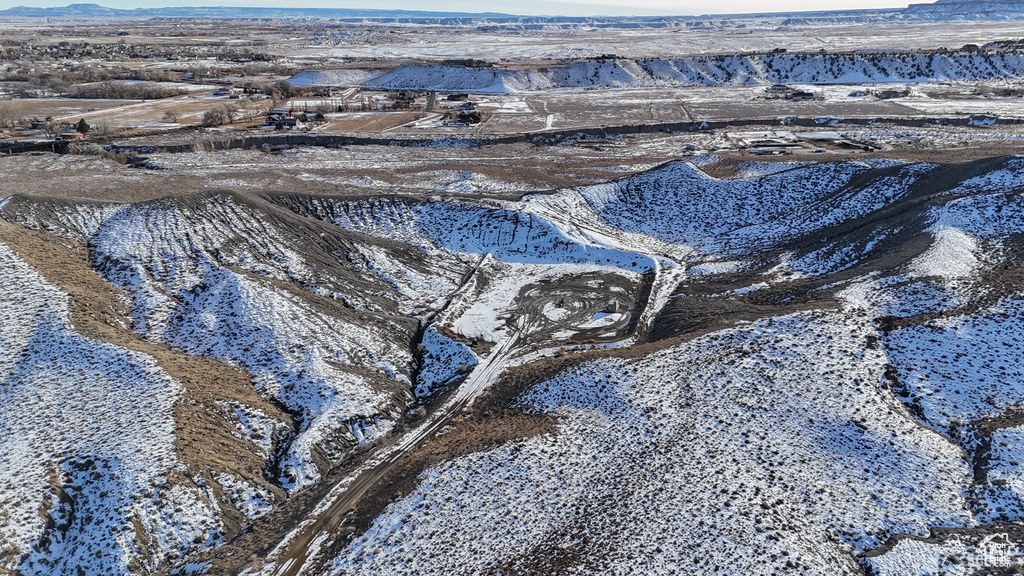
[(710, 70)]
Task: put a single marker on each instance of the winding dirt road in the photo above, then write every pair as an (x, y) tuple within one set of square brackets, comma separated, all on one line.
[(305, 544), (301, 556)]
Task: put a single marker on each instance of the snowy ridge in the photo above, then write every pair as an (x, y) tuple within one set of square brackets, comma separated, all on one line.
[(199, 271), (511, 232), (450, 78), (809, 214), (333, 77), (680, 204), (86, 446), (880, 67), (314, 365)]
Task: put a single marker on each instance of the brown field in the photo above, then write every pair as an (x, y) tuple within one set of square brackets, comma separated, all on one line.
[(370, 121), (65, 108)]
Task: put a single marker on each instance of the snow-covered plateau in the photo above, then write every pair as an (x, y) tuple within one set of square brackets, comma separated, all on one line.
[(710, 70)]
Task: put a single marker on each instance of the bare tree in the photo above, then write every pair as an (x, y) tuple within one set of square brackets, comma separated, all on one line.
[(219, 116), (171, 115), (101, 126), (10, 113), (249, 110), (286, 88), (229, 110)]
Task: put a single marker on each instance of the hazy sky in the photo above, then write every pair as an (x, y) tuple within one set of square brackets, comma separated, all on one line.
[(564, 7)]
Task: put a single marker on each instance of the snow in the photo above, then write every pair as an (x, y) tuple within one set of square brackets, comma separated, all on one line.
[(416, 285), (792, 434), (553, 312), (999, 180), (682, 205), (748, 289), (483, 318), (509, 231), (952, 255), (256, 426), (711, 268), (443, 361), (253, 501), (669, 450), (198, 273), (601, 319), (955, 556), (332, 77), (716, 70), (295, 354), (87, 441), (1001, 497), (959, 369)]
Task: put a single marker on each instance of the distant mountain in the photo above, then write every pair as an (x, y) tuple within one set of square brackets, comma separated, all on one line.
[(940, 10), (97, 11), (970, 9)]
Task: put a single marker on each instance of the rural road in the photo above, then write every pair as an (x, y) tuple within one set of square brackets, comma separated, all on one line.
[(304, 546)]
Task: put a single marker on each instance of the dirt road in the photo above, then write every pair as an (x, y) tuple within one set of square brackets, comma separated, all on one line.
[(305, 545), (303, 548)]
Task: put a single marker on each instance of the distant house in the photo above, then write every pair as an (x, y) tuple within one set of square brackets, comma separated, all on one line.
[(779, 91), (469, 117), (802, 95), (281, 112), (72, 136), (766, 152), (279, 122), (858, 94)]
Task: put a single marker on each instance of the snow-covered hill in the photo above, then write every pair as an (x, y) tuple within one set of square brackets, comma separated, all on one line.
[(835, 373), (764, 450), (713, 70), (90, 481), (797, 443), (250, 284), (969, 9)]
